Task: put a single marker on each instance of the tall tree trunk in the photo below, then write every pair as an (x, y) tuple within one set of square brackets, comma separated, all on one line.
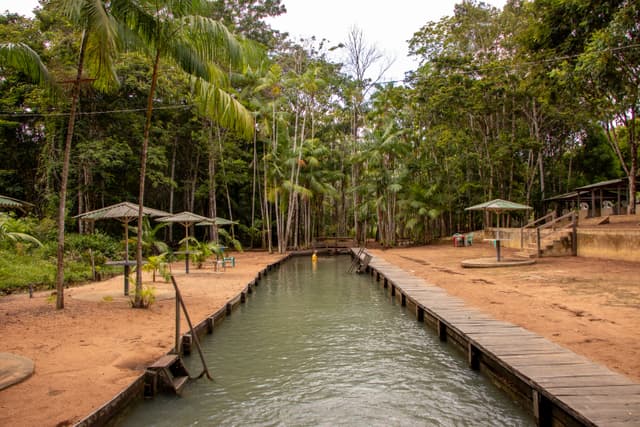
[(65, 174), (226, 181), (172, 187), (254, 181), (191, 203), (137, 303), (213, 206)]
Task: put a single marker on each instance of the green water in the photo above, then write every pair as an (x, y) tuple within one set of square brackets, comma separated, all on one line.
[(319, 346)]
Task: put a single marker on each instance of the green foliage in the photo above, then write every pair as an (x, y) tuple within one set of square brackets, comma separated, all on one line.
[(146, 295), (11, 233), (18, 272), (228, 240), (151, 243), (158, 263)]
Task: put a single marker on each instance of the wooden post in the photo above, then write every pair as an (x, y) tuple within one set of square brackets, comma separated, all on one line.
[(542, 410), (473, 357), (420, 313), (442, 331), (177, 347), (538, 242), (574, 235)]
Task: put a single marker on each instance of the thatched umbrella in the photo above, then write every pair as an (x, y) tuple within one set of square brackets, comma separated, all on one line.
[(498, 206), (185, 218), (124, 212)]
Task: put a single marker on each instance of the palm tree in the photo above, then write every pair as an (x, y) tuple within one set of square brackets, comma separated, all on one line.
[(202, 47), (21, 57), (6, 234), (98, 48)]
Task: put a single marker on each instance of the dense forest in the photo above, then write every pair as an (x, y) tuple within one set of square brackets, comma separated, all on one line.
[(202, 106)]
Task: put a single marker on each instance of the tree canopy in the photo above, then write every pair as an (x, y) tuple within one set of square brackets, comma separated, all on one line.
[(211, 110)]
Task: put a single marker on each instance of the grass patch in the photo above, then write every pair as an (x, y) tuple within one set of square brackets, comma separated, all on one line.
[(19, 271)]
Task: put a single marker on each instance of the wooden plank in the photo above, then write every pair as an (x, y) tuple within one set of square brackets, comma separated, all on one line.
[(544, 360), (597, 390), (164, 361), (583, 381)]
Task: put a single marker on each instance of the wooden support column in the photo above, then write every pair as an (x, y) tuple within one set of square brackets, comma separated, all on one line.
[(442, 331), (473, 357), (210, 323), (542, 410), (420, 313), (186, 344), (385, 283), (393, 291), (243, 297), (404, 300)]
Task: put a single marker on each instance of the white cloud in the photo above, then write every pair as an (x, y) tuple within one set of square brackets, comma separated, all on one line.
[(387, 24)]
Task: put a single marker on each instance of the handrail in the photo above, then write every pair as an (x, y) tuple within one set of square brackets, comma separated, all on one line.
[(532, 223), (574, 232), (551, 214), (549, 224), (194, 335)]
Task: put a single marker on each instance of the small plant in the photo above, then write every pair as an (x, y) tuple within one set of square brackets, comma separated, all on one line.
[(158, 263), (147, 297), (200, 251), (107, 298)]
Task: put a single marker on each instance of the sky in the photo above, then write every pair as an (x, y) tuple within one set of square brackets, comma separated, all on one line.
[(386, 24)]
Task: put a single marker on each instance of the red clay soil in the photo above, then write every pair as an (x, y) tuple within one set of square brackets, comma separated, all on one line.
[(96, 346)]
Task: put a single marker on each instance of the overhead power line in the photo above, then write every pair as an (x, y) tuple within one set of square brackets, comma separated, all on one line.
[(94, 113)]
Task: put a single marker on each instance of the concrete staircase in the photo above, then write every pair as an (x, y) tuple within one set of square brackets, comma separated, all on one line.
[(557, 243)]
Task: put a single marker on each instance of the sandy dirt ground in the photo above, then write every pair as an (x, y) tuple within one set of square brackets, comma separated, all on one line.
[(590, 306), (97, 346), (87, 353)]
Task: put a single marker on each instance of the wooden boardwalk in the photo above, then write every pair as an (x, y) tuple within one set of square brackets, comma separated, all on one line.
[(561, 387)]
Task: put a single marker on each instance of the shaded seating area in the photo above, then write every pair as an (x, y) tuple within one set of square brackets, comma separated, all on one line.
[(461, 240), (601, 198)]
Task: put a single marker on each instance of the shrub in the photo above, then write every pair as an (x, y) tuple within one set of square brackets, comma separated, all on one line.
[(100, 243)]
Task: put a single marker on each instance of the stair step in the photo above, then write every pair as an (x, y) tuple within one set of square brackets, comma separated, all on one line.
[(525, 254), (164, 362), (179, 383)]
